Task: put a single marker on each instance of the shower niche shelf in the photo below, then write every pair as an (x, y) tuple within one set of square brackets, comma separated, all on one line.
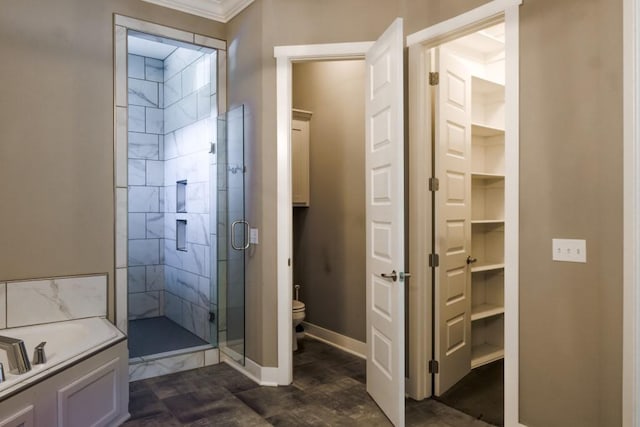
[(181, 235), (181, 196)]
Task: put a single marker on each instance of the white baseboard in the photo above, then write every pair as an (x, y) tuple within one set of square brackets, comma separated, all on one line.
[(268, 376), (350, 345), (123, 419), (261, 375)]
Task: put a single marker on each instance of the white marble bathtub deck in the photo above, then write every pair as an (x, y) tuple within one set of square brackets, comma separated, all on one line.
[(66, 343)]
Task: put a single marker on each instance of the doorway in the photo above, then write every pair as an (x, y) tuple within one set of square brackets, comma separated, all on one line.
[(468, 146), (328, 232), (470, 110), (384, 165), (286, 55)]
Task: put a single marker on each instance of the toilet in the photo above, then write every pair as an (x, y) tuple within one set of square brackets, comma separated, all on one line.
[(298, 317)]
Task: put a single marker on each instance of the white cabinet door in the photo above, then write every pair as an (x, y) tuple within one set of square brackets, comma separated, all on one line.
[(92, 400), (453, 221), (22, 418), (300, 129), (384, 169)]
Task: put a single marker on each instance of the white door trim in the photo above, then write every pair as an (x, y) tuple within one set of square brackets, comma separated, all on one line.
[(461, 22), (631, 194), (512, 219), (285, 56), (432, 35)]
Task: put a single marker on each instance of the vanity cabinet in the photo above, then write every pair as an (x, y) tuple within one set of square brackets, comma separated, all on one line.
[(487, 221), (300, 122)]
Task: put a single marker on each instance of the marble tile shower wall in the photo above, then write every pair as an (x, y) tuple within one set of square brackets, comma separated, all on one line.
[(189, 118), (172, 118), (146, 184)]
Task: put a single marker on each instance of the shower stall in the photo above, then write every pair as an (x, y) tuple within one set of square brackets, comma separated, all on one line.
[(187, 232)]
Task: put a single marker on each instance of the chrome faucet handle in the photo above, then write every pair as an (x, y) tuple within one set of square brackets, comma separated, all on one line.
[(38, 354), (16, 354)]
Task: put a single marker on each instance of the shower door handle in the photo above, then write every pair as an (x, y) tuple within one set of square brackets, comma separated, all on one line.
[(245, 244)]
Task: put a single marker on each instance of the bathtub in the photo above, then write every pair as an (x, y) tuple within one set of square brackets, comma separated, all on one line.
[(66, 343), (83, 356)]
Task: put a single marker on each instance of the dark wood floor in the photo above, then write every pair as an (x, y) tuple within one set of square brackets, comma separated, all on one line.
[(328, 390)]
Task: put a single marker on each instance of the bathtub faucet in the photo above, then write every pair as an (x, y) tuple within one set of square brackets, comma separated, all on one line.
[(16, 354)]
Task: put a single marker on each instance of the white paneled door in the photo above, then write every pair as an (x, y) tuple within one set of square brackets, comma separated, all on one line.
[(453, 221), (385, 222)]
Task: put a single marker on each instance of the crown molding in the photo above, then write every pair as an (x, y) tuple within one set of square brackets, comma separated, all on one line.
[(217, 10)]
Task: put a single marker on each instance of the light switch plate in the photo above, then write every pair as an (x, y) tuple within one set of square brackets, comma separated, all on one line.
[(569, 250), (253, 236)]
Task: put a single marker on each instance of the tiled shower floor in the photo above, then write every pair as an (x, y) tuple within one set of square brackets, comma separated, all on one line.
[(159, 335), (328, 390)]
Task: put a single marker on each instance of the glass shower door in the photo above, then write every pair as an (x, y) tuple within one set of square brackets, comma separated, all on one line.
[(233, 234)]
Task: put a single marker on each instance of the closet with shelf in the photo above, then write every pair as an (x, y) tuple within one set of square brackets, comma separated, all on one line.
[(469, 160), (463, 142), (487, 221)]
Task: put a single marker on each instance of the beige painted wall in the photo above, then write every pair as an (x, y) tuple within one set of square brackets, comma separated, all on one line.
[(329, 236), (56, 133), (571, 187)]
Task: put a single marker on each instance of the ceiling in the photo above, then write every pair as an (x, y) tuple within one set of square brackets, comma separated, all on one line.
[(486, 42), (218, 10), (149, 48)]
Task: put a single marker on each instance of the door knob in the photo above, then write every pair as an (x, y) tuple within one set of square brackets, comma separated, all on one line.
[(471, 260), (393, 276)]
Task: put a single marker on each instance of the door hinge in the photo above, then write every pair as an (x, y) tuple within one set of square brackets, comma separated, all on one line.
[(434, 260), (434, 78), (212, 317), (212, 148), (434, 184), (434, 367)]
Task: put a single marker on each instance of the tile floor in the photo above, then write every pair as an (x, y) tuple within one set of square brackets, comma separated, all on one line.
[(328, 390)]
